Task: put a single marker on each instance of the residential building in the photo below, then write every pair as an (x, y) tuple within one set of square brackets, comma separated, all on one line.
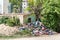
[(6, 8)]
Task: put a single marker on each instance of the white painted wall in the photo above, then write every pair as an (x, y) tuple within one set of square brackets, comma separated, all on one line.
[(21, 18), (1, 6), (5, 6), (24, 6)]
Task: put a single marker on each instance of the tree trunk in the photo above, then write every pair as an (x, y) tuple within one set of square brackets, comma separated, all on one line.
[(37, 16)]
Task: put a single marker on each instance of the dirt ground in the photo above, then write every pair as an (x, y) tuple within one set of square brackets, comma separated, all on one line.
[(44, 37)]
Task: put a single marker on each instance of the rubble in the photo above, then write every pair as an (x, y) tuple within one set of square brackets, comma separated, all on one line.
[(7, 30)]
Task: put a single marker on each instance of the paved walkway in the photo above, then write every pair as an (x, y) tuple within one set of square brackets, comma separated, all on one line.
[(45, 37)]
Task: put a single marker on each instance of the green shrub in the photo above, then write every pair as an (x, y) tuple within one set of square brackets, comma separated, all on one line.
[(10, 21), (52, 21), (25, 32), (3, 19), (13, 22), (17, 21)]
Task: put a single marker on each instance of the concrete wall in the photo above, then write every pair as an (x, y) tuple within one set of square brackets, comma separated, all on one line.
[(1, 6), (24, 6), (21, 18), (5, 6), (32, 16)]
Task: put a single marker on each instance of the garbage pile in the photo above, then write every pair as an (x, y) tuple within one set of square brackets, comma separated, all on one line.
[(37, 29)]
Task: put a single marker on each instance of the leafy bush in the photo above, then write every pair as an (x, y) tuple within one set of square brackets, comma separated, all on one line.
[(13, 22), (10, 21), (50, 14), (52, 21), (3, 19)]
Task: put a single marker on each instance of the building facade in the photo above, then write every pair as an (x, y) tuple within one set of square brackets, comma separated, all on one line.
[(1, 6), (6, 7), (24, 6)]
